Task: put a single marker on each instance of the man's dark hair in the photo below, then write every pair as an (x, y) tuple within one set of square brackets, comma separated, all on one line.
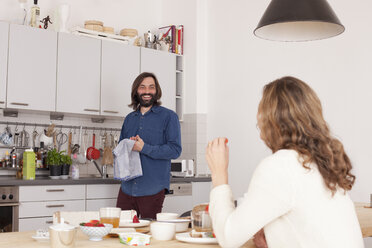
[(134, 95)]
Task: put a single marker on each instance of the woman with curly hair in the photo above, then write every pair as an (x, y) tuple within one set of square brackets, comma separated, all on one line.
[(297, 196)]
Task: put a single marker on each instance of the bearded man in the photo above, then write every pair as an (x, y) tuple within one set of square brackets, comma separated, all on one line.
[(157, 135)]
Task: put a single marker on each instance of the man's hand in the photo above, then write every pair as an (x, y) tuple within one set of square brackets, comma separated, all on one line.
[(138, 145), (259, 239)]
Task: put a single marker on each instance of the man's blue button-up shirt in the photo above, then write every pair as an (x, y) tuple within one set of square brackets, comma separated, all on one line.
[(160, 130)]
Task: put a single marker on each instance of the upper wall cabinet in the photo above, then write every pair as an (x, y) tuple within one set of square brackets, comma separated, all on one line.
[(78, 74), (120, 66), (4, 35), (31, 68), (163, 64)]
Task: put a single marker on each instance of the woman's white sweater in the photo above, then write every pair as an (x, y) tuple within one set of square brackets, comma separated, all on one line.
[(291, 203)]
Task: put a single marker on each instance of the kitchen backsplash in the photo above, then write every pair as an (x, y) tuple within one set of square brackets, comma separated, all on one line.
[(193, 131), (194, 140)]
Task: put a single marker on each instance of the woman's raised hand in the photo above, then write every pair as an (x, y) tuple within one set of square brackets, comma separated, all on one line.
[(217, 155)]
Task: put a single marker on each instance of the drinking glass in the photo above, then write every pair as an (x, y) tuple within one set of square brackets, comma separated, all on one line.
[(201, 221), (110, 216)]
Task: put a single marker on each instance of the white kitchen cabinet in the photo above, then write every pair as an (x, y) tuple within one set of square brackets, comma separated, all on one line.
[(38, 203), (101, 195), (4, 35), (120, 66), (30, 224), (78, 74), (163, 65), (31, 68)]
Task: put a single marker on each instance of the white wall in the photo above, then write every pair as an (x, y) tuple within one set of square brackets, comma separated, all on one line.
[(338, 69)]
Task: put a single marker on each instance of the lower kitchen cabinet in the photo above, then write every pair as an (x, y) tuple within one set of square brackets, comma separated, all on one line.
[(38, 203), (101, 195), (31, 224)]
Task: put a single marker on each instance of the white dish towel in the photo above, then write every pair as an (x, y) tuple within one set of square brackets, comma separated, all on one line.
[(127, 163)]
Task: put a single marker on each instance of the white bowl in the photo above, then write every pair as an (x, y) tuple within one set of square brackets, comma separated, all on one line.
[(182, 225), (95, 233), (162, 230), (166, 216)]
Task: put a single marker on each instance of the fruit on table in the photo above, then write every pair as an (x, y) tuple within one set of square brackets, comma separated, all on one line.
[(93, 223), (135, 219)]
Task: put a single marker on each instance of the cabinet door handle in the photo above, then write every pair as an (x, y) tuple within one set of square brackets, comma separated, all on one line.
[(1, 102), (55, 206), (19, 103), (49, 222), (91, 110), (55, 190), (110, 111)]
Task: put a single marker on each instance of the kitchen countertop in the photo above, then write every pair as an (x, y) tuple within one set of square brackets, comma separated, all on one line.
[(12, 181)]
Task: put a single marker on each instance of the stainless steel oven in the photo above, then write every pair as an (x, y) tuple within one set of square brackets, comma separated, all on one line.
[(9, 207)]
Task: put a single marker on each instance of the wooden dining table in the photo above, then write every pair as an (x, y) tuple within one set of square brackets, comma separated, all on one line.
[(25, 240)]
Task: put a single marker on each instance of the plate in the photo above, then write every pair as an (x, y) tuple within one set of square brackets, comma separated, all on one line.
[(40, 238), (185, 237), (54, 177), (129, 223), (64, 176)]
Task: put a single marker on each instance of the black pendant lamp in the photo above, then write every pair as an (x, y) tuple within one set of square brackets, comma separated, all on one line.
[(298, 20)]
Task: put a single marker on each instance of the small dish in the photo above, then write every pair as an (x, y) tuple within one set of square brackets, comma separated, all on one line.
[(64, 176), (129, 223), (40, 238), (96, 233)]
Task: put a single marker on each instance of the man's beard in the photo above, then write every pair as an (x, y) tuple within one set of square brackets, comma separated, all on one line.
[(146, 103)]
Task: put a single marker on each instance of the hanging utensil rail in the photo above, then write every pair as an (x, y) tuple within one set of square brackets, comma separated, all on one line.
[(57, 126)]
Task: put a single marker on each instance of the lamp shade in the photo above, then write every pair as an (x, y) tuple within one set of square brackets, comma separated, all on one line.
[(298, 20)]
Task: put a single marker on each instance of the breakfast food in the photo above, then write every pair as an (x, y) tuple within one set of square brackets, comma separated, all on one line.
[(93, 223), (135, 219), (196, 234)]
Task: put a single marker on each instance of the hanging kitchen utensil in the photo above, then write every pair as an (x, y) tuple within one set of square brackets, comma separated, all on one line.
[(101, 143), (61, 139), (6, 137), (92, 152), (76, 146), (69, 143), (108, 158), (16, 136), (24, 137), (34, 136), (80, 156)]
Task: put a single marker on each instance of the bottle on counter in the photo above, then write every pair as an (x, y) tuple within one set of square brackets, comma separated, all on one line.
[(39, 160), (35, 15), (28, 165), (14, 158), (43, 155), (7, 160)]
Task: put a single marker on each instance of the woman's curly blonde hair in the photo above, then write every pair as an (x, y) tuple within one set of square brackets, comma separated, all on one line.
[(290, 117)]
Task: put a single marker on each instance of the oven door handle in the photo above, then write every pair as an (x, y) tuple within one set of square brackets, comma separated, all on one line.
[(9, 204)]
